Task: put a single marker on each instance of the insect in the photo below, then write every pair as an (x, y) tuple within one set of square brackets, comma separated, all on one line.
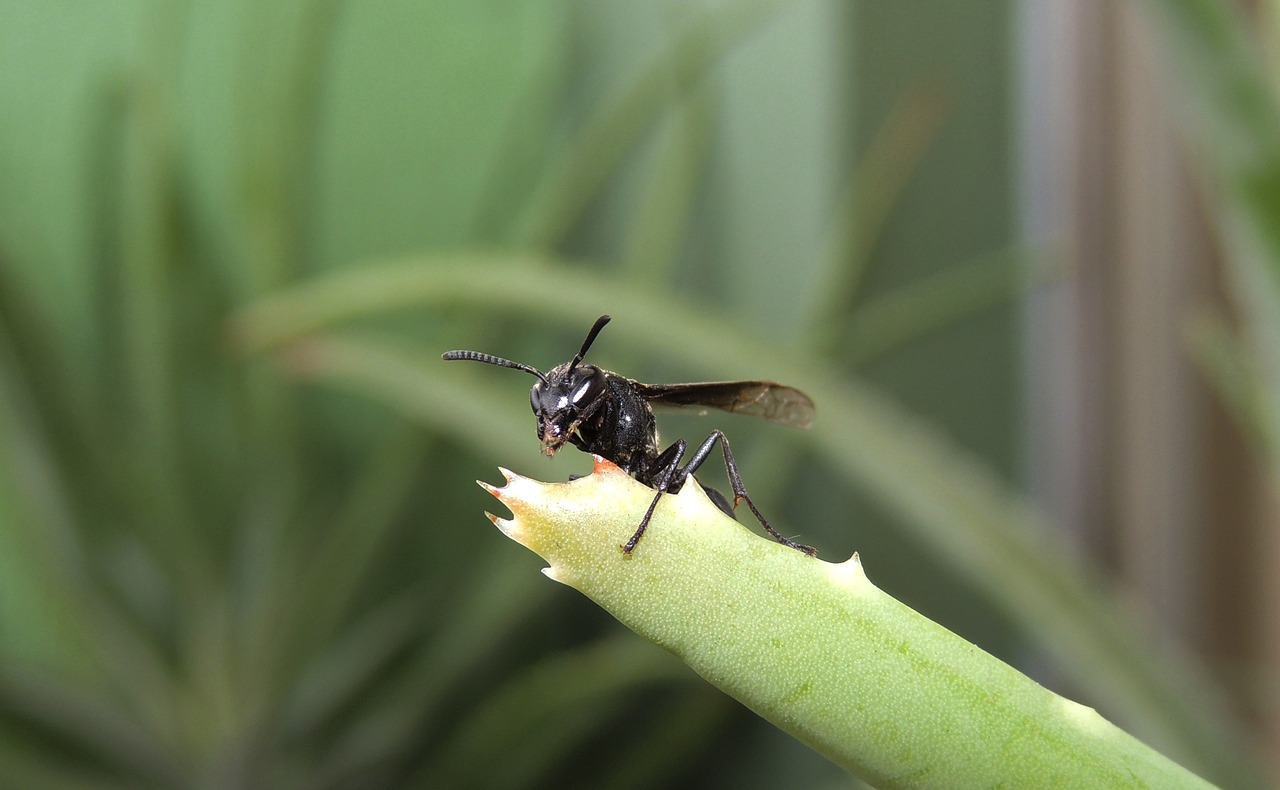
[(601, 412)]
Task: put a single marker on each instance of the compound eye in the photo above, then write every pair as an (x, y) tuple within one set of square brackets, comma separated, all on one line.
[(589, 388), (535, 397)]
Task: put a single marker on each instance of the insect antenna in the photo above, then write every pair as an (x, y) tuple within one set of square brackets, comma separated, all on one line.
[(591, 338), (490, 359)]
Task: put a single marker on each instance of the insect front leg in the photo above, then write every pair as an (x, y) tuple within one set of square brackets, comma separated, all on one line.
[(661, 473), (739, 491)]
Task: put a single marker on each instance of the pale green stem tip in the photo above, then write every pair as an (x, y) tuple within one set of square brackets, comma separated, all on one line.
[(816, 648)]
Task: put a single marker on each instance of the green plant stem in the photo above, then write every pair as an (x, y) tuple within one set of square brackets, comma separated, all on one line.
[(816, 648), (979, 527)]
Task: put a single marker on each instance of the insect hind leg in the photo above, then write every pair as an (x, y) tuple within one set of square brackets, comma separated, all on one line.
[(739, 490), (719, 500), (664, 474)]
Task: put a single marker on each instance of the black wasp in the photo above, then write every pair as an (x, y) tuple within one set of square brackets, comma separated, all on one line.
[(600, 412)]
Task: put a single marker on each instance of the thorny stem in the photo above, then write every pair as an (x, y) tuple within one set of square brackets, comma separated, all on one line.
[(816, 648)]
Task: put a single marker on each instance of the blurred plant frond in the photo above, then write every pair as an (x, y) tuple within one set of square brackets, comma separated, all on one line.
[(526, 716), (888, 322), (1227, 364), (866, 203), (1234, 106), (591, 156)]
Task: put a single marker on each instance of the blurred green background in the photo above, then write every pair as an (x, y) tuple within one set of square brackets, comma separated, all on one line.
[(1024, 256)]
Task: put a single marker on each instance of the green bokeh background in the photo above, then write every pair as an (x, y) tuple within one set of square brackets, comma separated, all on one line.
[(237, 553)]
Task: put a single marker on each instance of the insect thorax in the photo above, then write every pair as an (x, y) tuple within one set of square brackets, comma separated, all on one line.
[(626, 432)]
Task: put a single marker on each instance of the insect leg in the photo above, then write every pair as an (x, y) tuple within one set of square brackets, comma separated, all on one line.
[(718, 499), (739, 491), (661, 472)]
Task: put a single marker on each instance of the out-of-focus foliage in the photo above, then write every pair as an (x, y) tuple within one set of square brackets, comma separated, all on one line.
[(1232, 98), (214, 572)]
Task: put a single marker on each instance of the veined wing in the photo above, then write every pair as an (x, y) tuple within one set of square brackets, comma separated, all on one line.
[(767, 399)]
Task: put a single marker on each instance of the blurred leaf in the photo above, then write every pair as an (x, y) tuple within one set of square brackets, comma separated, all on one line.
[(352, 548), (470, 414), (665, 209), (1229, 367), (22, 767), (436, 120), (679, 733), (870, 193), (94, 728), (390, 723), (1235, 109), (280, 101), (40, 531), (588, 160), (538, 714), (887, 322), (336, 673)]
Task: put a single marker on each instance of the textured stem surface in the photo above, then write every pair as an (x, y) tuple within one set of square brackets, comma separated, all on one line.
[(817, 649)]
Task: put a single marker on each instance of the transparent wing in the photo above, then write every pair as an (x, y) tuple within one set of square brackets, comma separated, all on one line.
[(767, 399)]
